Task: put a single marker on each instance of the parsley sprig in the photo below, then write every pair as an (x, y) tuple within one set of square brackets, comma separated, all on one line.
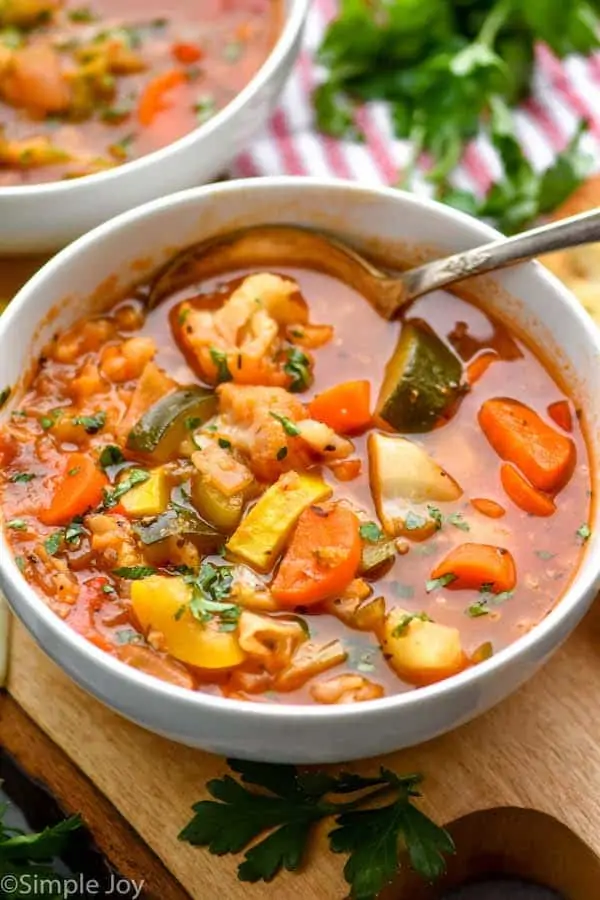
[(31, 855), (289, 804), (211, 586)]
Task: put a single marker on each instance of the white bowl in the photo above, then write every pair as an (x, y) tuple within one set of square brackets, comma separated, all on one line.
[(306, 734), (42, 218)]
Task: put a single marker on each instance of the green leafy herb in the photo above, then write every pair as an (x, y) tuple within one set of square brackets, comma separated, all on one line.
[(412, 521), (183, 315), (211, 586), (108, 589), (224, 444), (114, 115), (127, 636), (479, 608), (74, 531), (111, 455), (22, 477), (50, 419), (132, 477), (134, 573), (436, 515), (233, 51), (288, 426), (205, 107), (20, 561), (297, 367), (488, 596), (220, 360), (434, 583), (193, 422), (401, 627), (122, 148), (4, 395), (28, 857), (458, 521), (17, 524), (12, 38), (442, 67), (584, 532), (545, 554), (92, 424), (81, 14), (282, 453), (54, 542), (279, 818), (74, 471), (370, 531)]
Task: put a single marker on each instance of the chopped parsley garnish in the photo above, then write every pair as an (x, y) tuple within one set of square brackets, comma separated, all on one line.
[(130, 480), (134, 573), (22, 477), (288, 426), (81, 14), (183, 315), (4, 395), (111, 455), (219, 357), (412, 521), (458, 521), (274, 810), (298, 369), (127, 636), (74, 471), (17, 524), (545, 554), (12, 38), (50, 419), (434, 583), (489, 596), (282, 453), (121, 149), (205, 107), (224, 444), (108, 589), (193, 422), (401, 627), (584, 532), (211, 587), (479, 608), (436, 515), (92, 424), (112, 115), (53, 543), (233, 51), (370, 531), (20, 562), (74, 531)]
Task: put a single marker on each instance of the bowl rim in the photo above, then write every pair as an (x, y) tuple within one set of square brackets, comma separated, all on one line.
[(293, 22), (189, 700)]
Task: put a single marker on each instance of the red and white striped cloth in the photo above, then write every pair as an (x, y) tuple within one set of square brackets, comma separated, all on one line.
[(563, 92)]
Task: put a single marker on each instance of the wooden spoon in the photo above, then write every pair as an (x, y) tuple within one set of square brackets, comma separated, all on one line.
[(295, 245)]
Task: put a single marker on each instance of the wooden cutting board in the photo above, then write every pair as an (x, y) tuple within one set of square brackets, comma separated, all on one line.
[(539, 750)]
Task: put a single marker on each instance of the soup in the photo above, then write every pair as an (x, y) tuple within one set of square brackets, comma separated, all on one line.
[(262, 490), (84, 88)]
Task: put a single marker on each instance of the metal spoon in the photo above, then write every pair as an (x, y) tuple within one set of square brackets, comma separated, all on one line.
[(295, 245)]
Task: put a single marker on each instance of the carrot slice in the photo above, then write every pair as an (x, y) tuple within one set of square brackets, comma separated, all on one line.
[(523, 494), (518, 435), (480, 364), (153, 100), (346, 469), (322, 558), (78, 489), (560, 412), (345, 407), (187, 54), (488, 507), (474, 566)]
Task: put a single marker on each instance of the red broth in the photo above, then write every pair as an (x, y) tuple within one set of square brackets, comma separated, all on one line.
[(546, 550), (84, 87)]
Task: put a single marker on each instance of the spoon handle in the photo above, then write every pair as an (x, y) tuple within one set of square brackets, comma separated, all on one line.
[(580, 229)]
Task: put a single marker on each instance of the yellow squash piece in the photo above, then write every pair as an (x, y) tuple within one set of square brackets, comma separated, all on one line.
[(260, 538), (160, 604), (421, 651), (150, 498)]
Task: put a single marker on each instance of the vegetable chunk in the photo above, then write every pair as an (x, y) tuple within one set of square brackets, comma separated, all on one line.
[(419, 650), (477, 566), (518, 435)]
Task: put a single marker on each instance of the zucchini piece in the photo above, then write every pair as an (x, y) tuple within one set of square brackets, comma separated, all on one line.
[(376, 558), (404, 480), (421, 380), (161, 603), (216, 507), (180, 522), (161, 430), (262, 534)]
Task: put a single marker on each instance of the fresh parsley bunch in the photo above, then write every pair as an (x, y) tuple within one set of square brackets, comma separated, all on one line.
[(375, 819), (445, 66)]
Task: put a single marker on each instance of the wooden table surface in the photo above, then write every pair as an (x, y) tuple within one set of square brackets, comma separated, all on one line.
[(537, 751)]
